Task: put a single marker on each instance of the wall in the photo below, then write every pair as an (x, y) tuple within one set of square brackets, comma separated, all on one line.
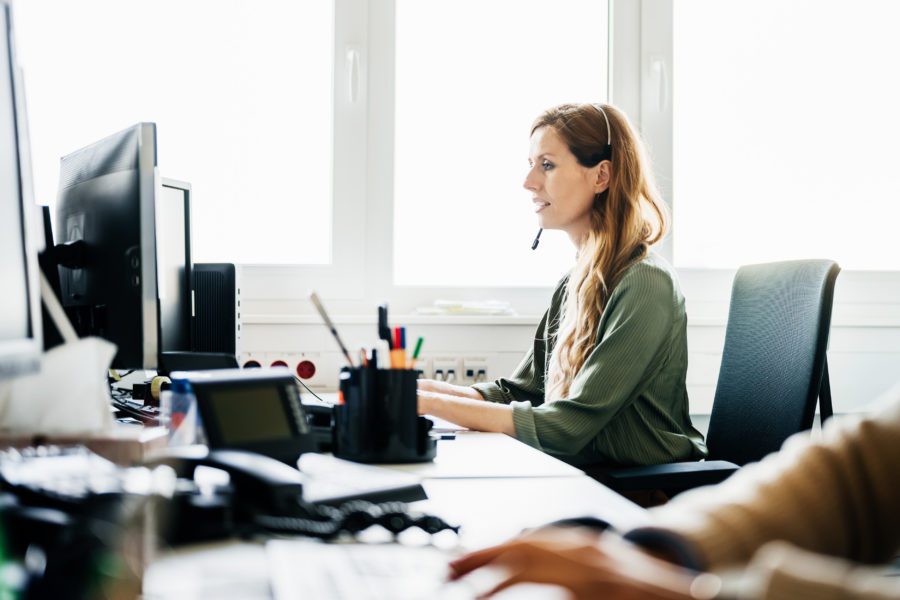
[(863, 360)]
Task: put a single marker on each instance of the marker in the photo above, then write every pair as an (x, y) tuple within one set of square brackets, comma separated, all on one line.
[(319, 307), (415, 355), (398, 354)]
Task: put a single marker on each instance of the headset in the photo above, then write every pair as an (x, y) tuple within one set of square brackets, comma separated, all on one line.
[(596, 158)]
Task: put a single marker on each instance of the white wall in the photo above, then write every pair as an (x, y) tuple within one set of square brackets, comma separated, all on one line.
[(864, 345)]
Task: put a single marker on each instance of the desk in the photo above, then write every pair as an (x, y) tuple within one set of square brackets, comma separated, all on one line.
[(467, 485), (475, 454)]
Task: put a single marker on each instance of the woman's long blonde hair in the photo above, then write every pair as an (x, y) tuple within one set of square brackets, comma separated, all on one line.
[(626, 220)]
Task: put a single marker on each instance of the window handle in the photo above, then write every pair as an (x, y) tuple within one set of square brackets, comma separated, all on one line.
[(660, 80), (353, 75)]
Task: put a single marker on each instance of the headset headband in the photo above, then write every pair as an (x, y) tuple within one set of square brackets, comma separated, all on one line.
[(607, 152)]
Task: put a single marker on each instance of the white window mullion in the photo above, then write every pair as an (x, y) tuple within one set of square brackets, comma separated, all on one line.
[(343, 277)]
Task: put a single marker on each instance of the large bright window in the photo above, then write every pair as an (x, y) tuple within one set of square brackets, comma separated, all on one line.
[(242, 95), (471, 76), (785, 132)]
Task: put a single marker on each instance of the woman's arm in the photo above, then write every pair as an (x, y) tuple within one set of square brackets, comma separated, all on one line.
[(631, 350), (474, 414), (448, 389)]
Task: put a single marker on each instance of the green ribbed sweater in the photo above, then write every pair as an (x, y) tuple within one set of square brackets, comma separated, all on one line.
[(628, 404)]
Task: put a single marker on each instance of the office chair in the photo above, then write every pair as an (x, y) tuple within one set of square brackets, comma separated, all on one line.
[(774, 368)]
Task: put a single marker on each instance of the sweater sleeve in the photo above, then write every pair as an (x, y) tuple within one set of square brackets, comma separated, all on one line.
[(781, 571), (639, 319), (526, 383), (837, 496)]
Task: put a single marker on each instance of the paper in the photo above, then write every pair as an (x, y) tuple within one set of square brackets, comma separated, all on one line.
[(68, 396)]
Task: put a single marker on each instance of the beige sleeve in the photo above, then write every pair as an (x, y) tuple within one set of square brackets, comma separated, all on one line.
[(838, 495), (780, 571)]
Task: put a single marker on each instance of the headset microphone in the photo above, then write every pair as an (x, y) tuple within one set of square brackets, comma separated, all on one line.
[(537, 239)]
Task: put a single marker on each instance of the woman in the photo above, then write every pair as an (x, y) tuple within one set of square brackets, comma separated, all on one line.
[(604, 382)]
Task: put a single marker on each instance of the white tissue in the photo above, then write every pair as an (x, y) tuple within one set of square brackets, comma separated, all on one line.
[(68, 396)]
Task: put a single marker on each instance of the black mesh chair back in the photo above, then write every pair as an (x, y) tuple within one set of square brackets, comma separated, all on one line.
[(774, 363)]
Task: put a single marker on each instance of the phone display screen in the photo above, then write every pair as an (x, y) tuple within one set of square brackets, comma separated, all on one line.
[(251, 414)]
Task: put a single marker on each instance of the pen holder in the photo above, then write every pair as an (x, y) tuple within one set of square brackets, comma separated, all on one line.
[(378, 421)]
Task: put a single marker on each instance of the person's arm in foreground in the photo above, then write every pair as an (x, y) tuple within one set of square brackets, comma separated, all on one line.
[(588, 566), (837, 496)]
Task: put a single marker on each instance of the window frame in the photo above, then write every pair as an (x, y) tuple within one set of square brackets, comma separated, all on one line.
[(862, 298), (343, 277), (372, 206)]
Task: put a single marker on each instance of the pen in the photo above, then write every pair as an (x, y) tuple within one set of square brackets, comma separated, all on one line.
[(384, 332), (319, 307)]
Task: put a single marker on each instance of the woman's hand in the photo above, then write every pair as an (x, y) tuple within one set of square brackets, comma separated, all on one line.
[(589, 567), (466, 411), (442, 387)]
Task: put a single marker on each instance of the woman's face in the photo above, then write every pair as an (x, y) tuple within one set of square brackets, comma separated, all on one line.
[(561, 189)]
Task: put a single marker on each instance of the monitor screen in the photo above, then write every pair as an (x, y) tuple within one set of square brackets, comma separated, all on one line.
[(19, 346), (173, 264)]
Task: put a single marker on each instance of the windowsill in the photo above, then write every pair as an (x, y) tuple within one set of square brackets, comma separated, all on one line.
[(849, 321), (259, 319)]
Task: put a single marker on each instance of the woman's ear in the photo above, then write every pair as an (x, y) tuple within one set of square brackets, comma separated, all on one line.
[(603, 176)]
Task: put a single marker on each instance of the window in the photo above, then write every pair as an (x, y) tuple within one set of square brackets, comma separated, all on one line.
[(785, 129), (368, 149), (243, 112), (471, 76)]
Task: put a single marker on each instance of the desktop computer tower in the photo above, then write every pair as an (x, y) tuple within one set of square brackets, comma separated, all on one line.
[(217, 308)]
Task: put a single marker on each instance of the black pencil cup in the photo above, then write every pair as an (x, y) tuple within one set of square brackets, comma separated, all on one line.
[(378, 421)]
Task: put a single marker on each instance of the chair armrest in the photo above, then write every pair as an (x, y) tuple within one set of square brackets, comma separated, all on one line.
[(673, 476)]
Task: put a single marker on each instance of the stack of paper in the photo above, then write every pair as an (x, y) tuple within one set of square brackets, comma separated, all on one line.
[(472, 307)]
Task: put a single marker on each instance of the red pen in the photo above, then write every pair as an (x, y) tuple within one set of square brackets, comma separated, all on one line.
[(398, 354)]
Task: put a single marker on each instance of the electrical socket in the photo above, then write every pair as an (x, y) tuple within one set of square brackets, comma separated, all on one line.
[(474, 369), (446, 368), (423, 366)]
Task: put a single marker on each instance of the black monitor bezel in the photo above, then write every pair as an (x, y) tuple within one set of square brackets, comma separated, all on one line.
[(185, 188)]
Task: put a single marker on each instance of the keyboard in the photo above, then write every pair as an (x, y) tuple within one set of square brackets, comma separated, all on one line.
[(301, 569)]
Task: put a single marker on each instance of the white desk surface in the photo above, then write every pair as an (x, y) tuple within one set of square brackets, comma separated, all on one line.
[(492, 485), (493, 510), (489, 511), (474, 454)]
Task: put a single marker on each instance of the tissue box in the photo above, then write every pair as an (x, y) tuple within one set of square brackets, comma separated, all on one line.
[(123, 444)]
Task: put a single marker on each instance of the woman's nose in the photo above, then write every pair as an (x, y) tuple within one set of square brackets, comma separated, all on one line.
[(530, 182)]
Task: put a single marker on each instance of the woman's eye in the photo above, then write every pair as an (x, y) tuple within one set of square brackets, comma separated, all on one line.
[(546, 165)]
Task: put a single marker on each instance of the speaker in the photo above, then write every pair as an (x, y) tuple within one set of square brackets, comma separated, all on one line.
[(217, 308)]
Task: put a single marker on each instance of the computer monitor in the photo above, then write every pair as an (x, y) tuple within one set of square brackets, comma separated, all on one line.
[(174, 266), (179, 342), (20, 329), (107, 200)]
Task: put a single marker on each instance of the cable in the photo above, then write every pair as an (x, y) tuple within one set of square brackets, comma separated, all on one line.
[(352, 517), (300, 381)]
